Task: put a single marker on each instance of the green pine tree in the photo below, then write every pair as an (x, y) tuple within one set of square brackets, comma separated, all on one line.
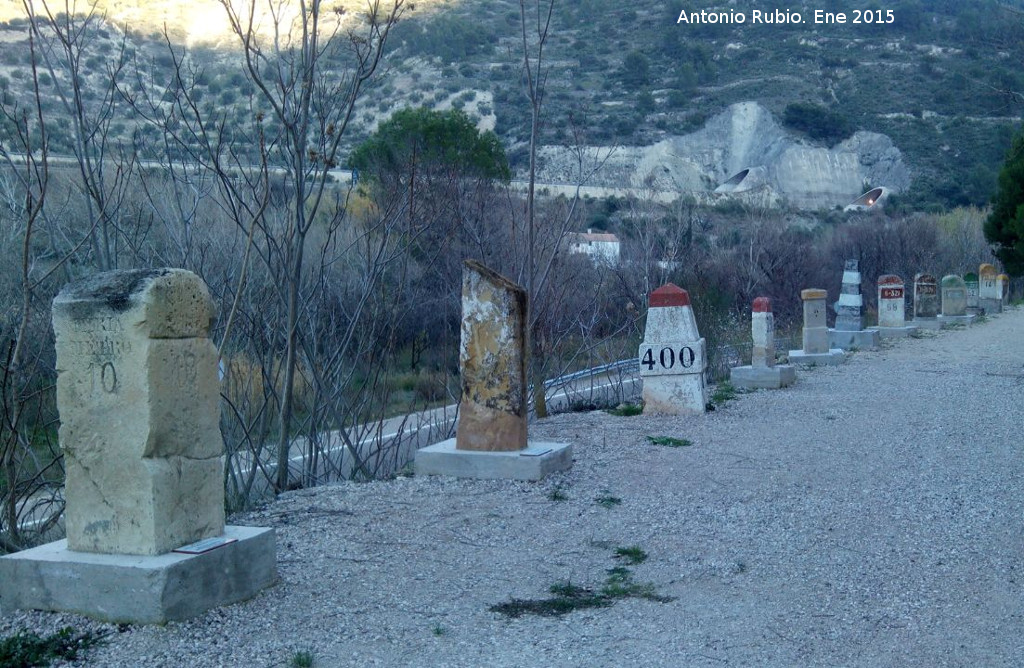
[(1005, 225)]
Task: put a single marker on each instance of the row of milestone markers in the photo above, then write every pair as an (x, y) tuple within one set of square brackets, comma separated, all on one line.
[(673, 356), (139, 404)]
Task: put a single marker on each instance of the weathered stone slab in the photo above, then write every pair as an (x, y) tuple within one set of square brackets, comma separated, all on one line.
[(492, 362), (532, 463), (762, 373), (926, 299), (954, 295), (139, 589), (138, 395), (971, 283), (816, 349), (990, 293), (673, 356), (490, 439)]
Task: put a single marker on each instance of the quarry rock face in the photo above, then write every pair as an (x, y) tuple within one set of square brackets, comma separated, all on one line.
[(746, 136)]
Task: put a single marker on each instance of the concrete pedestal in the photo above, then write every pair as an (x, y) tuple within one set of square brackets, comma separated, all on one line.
[(932, 324), (864, 339), (947, 320), (762, 378), (139, 589), (833, 357), (991, 306), (895, 332), (534, 463)]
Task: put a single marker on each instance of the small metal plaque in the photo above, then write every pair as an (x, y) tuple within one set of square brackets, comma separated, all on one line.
[(205, 545)]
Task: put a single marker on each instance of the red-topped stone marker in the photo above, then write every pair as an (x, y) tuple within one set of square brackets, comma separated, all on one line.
[(673, 356), (669, 295), (892, 308), (762, 372)]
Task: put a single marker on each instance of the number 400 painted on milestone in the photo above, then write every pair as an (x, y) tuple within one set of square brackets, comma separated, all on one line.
[(671, 358)]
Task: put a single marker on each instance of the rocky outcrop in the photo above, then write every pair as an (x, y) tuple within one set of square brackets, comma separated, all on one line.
[(782, 166)]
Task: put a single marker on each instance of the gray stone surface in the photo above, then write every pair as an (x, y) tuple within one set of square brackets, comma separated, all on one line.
[(866, 339), (762, 378), (538, 460), (831, 358), (139, 589), (895, 332), (966, 319)]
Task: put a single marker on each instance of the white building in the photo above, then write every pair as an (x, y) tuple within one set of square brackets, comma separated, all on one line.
[(601, 247)]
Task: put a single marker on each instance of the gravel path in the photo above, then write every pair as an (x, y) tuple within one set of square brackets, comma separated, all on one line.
[(870, 515)]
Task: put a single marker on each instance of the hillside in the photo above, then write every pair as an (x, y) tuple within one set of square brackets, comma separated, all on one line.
[(942, 82)]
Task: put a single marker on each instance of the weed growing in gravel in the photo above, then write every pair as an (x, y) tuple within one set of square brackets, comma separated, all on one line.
[(439, 630), (626, 410), (302, 659), (567, 597), (29, 649), (631, 555), (608, 501), (557, 494), (724, 392), (670, 442)]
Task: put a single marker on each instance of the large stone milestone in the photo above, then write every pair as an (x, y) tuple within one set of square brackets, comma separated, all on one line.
[(926, 302), (492, 360), (849, 331), (490, 439), (762, 372), (892, 308), (673, 356), (138, 396), (816, 349), (990, 293), (954, 301), (972, 285)]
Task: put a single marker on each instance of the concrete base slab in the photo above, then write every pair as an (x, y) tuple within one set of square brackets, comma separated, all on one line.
[(933, 325), (991, 306), (136, 589), (534, 463), (832, 357), (865, 339), (948, 320), (762, 377), (894, 332)]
